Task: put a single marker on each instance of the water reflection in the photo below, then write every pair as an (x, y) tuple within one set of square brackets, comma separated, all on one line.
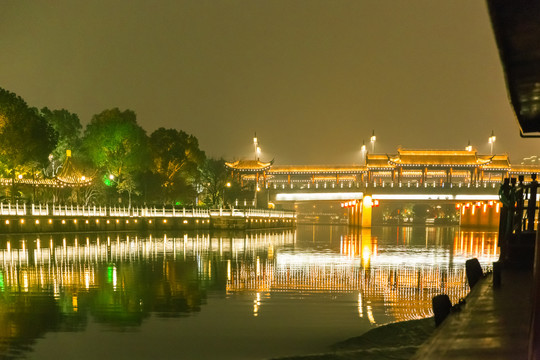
[(53, 283)]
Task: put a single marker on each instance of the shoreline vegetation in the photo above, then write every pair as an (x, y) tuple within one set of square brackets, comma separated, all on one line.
[(399, 340)]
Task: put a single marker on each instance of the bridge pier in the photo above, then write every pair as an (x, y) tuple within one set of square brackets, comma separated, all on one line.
[(480, 214), (360, 212)]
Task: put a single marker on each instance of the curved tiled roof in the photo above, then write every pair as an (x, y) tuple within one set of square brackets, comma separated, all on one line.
[(316, 169), (438, 158), (249, 165)]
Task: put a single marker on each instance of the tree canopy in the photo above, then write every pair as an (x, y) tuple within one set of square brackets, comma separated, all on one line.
[(176, 158), (26, 137), (115, 143), (68, 129), (167, 166)]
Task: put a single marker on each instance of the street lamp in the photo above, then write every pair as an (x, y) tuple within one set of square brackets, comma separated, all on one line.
[(363, 149), (373, 139), (255, 145), (492, 139), (227, 185), (469, 146)]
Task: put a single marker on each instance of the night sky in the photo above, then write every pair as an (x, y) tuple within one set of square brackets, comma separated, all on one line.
[(313, 78)]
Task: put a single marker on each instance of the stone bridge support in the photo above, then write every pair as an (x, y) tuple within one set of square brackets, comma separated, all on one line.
[(360, 213)]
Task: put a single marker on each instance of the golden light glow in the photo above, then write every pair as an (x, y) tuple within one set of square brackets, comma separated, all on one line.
[(368, 201)]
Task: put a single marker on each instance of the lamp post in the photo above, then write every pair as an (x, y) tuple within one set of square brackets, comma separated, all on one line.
[(469, 146), (20, 179), (373, 139), (363, 150), (227, 185), (256, 145), (492, 139)]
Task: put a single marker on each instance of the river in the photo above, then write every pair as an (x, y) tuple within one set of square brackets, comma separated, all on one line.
[(227, 295)]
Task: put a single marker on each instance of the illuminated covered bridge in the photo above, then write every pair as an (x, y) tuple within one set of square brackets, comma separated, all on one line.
[(433, 167), (451, 176)]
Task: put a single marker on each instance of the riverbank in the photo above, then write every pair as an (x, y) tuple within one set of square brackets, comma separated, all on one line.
[(398, 340), (55, 218)]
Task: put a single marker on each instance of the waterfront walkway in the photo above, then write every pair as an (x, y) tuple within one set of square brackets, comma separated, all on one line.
[(493, 324)]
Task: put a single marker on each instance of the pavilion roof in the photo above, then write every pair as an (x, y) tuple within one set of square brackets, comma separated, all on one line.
[(525, 169), (316, 169), (70, 175), (446, 158), (496, 161), (249, 165), (378, 161)]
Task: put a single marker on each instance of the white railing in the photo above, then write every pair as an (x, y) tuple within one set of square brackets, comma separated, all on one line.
[(253, 213), (123, 211)]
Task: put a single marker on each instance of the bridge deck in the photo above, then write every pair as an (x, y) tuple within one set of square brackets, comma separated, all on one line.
[(493, 324)]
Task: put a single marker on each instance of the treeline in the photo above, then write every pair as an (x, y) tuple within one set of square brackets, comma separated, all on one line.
[(126, 164)]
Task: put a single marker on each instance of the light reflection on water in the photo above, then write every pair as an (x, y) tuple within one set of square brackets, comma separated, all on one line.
[(301, 289)]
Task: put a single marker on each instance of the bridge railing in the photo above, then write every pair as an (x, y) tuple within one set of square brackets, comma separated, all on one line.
[(332, 185), (123, 211), (253, 213)]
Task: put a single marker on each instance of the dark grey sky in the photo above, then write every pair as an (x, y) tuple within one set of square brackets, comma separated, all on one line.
[(311, 77)]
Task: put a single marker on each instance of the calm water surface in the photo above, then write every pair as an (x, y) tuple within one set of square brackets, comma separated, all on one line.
[(223, 295)]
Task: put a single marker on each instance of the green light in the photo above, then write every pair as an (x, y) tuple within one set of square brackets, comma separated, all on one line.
[(177, 203), (110, 271), (107, 181)]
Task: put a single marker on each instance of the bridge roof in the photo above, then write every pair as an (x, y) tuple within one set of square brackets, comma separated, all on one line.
[(525, 169), (445, 158), (379, 161), (316, 169), (249, 165), (497, 162)]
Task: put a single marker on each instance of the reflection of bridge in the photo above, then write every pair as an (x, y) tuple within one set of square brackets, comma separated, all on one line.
[(405, 283)]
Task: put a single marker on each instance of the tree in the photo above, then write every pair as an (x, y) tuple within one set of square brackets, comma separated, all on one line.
[(214, 180), (128, 185), (116, 145), (177, 159), (68, 128), (26, 137), (421, 211)]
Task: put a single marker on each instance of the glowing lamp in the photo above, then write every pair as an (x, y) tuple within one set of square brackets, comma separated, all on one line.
[(368, 201)]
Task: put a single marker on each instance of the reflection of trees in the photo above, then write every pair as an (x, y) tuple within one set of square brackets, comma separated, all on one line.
[(25, 318)]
